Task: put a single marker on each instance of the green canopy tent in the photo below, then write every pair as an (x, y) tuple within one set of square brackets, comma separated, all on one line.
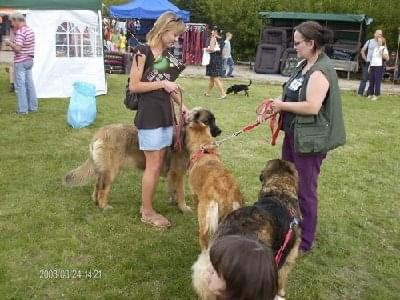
[(52, 4), (68, 44), (346, 27)]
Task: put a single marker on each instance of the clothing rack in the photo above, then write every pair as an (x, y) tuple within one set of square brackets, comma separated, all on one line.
[(194, 39)]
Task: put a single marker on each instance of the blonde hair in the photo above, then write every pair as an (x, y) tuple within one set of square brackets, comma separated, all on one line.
[(166, 22)]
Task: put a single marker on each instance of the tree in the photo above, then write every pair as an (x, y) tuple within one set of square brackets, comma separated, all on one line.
[(241, 16)]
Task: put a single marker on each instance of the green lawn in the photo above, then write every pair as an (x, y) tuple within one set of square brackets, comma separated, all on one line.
[(45, 226)]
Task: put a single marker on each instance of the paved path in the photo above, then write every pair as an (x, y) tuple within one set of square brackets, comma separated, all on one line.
[(245, 73)]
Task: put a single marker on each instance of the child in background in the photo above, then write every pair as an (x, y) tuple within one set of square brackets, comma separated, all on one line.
[(114, 40), (122, 42)]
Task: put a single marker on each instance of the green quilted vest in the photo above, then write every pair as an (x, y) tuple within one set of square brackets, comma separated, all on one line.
[(324, 131)]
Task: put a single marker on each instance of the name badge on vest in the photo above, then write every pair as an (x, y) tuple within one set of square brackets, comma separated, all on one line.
[(296, 84)]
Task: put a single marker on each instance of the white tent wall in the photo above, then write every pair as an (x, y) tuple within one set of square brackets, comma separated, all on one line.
[(54, 76)]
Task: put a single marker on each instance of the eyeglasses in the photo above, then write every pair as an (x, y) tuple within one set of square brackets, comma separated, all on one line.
[(298, 43)]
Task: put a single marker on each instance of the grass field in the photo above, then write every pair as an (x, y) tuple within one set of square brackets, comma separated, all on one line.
[(45, 226)]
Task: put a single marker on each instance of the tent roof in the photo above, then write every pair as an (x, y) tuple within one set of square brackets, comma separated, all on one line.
[(143, 9), (316, 16), (52, 4)]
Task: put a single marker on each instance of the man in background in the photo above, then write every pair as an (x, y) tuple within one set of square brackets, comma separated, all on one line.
[(23, 46), (368, 47)]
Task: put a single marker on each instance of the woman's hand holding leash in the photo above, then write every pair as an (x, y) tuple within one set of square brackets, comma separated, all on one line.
[(170, 87), (264, 110), (276, 105)]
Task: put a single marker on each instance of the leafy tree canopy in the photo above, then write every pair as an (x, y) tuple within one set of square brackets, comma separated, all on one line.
[(241, 16)]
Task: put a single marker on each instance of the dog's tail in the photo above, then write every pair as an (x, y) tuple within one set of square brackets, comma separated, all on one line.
[(82, 175), (212, 218), (200, 274), (249, 83)]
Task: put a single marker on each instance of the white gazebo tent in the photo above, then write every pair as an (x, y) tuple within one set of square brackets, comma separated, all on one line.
[(68, 44)]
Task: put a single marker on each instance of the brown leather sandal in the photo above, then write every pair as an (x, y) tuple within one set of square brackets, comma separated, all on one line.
[(158, 221)]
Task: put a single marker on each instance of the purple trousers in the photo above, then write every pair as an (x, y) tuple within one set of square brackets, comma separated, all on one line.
[(375, 80), (308, 167)]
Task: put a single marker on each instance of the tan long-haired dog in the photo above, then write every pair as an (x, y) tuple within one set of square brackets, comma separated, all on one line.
[(214, 189), (116, 145)]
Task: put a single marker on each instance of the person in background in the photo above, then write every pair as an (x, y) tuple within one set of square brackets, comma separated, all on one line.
[(122, 42), (114, 39), (379, 54), (11, 66), (369, 47), (154, 118), (23, 46), (312, 119), (214, 68), (227, 55), (390, 66), (242, 268), (1, 30)]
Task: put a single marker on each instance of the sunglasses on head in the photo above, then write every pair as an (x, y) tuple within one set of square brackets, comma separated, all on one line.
[(175, 20)]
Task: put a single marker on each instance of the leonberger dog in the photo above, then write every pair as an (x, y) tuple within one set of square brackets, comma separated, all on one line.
[(116, 145), (214, 189), (269, 221)]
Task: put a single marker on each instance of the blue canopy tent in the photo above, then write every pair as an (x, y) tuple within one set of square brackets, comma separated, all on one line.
[(147, 9)]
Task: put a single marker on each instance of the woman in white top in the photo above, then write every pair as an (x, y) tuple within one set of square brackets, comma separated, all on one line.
[(376, 69)]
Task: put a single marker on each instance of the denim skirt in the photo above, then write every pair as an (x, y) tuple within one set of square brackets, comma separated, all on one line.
[(155, 139)]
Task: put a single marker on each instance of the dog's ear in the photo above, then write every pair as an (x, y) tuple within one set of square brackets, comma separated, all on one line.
[(196, 117), (193, 115), (197, 124), (288, 167)]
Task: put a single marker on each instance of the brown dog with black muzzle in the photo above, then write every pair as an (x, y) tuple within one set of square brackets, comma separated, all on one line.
[(116, 145), (213, 187)]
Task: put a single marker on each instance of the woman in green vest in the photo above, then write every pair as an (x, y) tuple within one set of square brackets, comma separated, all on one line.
[(311, 109)]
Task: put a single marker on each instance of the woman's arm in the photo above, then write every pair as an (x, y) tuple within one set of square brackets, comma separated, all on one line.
[(211, 48), (317, 88), (138, 86), (177, 97), (385, 54)]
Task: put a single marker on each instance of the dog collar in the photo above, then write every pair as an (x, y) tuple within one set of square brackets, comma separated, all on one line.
[(198, 154)]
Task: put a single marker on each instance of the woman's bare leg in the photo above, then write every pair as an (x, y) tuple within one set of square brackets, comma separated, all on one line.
[(210, 86), (151, 175), (220, 86)]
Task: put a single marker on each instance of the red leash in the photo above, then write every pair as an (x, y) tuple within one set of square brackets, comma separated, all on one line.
[(178, 145), (264, 112), (288, 237)]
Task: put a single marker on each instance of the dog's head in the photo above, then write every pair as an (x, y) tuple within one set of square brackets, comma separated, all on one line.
[(200, 128), (230, 90), (279, 176), (202, 115)]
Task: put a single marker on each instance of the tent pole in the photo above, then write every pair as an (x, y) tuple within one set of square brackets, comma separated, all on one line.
[(396, 64)]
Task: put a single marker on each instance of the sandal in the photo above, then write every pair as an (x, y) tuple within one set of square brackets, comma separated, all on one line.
[(158, 221)]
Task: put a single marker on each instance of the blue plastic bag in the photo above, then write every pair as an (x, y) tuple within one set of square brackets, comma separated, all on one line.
[(82, 105)]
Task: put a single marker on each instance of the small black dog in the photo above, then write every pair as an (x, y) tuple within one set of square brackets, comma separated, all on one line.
[(236, 88)]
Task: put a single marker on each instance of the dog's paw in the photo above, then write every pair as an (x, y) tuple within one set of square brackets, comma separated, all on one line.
[(185, 209), (107, 207), (277, 297), (172, 200)]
